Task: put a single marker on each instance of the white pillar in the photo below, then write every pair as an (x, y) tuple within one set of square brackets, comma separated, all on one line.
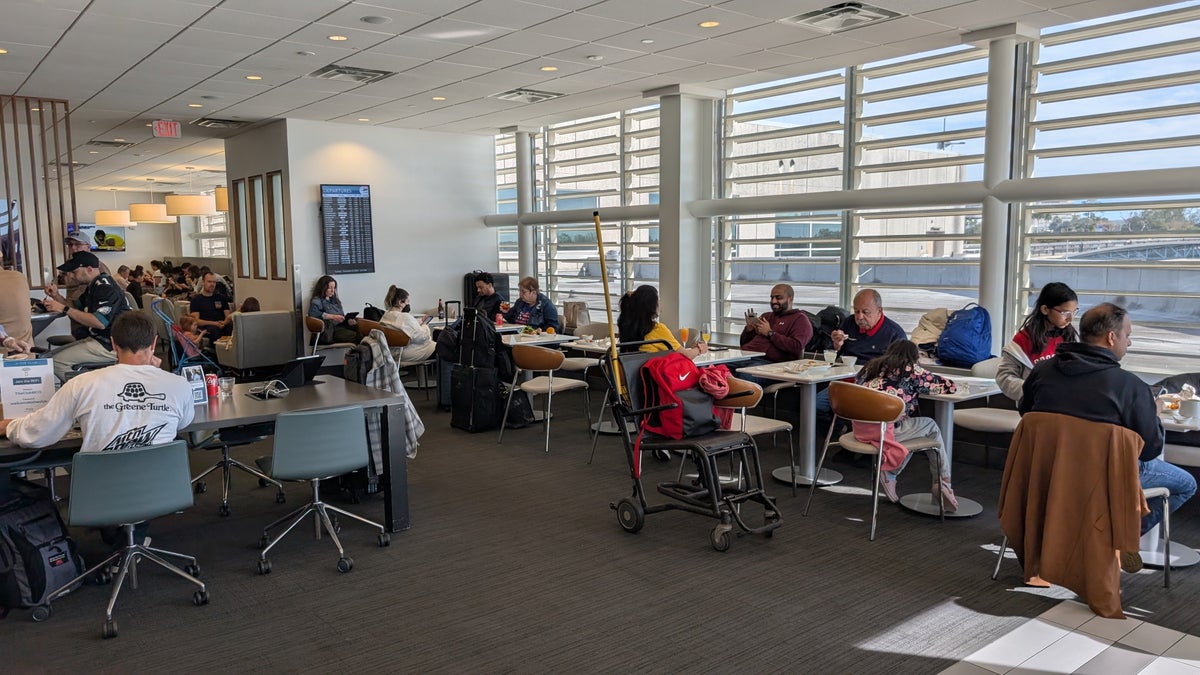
[(526, 234), (687, 130), (994, 255)]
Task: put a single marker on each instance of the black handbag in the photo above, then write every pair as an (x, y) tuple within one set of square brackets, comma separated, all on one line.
[(372, 313)]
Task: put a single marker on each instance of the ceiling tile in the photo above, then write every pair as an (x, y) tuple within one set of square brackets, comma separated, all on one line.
[(485, 57), (246, 23), (761, 60), (583, 27), (979, 13), (534, 67), (652, 64), (394, 64), (570, 5), (303, 10), (21, 58), (825, 45), (34, 24), (640, 11), (350, 16), (534, 44), (317, 35), (507, 13), (902, 28), (171, 12), (770, 35), (198, 55), (705, 72), (710, 51), (503, 80), (660, 39), (610, 55), (404, 45), (430, 7), (445, 71), (227, 42), (458, 32), (314, 56), (774, 10), (689, 24)]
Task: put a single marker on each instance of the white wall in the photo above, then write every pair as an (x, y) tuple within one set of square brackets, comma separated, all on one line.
[(429, 192)]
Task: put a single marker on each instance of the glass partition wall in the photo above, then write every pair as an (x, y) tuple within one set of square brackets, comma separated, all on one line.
[(1109, 95)]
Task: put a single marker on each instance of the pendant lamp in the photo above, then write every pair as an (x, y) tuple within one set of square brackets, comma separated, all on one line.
[(193, 204), (151, 212), (221, 194), (113, 216)]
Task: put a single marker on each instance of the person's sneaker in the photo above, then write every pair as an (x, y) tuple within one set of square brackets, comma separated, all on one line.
[(949, 503), (1131, 561), (888, 486)]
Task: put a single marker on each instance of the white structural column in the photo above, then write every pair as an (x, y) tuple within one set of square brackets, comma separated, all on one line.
[(997, 167), (527, 265), (686, 150)]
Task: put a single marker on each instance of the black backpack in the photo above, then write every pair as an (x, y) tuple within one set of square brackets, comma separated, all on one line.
[(827, 321), (36, 555), (357, 363)]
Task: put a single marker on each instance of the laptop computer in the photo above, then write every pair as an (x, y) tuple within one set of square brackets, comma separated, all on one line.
[(301, 371)]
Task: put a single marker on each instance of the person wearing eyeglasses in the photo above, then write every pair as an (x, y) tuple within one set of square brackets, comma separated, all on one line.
[(1046, 327)]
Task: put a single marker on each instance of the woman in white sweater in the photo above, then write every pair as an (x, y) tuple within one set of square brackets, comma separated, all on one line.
[(420, 341)]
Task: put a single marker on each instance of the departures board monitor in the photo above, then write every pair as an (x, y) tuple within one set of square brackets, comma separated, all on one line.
[(346, 229)]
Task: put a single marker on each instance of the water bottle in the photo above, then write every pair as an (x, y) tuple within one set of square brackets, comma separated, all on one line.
[(441, 310)]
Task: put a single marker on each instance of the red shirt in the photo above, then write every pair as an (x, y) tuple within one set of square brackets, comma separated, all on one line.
[(1026, 344)]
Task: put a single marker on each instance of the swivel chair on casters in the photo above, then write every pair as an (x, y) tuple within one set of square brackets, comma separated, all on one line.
[(128, 487), (225, 439), (314, 446)]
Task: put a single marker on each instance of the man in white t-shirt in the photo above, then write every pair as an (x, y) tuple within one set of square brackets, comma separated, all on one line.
[(130, 404)]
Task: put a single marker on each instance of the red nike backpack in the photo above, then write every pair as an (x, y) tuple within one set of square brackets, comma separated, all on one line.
[(674, 379)]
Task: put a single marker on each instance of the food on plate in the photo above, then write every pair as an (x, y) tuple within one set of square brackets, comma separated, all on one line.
[(529, 330)]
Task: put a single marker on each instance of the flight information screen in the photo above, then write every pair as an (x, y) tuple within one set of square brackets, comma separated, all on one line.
[(346, 229)]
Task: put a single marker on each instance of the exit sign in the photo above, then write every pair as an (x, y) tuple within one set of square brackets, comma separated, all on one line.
[(166, 129)]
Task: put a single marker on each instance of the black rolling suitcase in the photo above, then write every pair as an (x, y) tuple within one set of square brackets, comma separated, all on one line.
[(474, 383), (499, 282)]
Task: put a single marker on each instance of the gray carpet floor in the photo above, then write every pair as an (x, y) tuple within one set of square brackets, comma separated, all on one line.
[(515, 563)]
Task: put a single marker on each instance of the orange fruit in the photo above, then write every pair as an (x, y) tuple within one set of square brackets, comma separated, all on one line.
[(550, 330)]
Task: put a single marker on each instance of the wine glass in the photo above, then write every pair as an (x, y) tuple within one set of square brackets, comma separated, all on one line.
[(706, 332), (683, 335)]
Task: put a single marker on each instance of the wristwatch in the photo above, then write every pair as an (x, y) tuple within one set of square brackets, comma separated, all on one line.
[(770, 333)]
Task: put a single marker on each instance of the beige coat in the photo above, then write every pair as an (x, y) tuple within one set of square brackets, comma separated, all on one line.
[(1070, 499)]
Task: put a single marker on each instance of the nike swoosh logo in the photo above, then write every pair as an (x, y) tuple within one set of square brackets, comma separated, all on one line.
[(683, 377)]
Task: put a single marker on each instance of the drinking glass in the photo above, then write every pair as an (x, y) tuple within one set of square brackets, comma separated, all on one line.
[(225, 385), (705, 332), (830, 356), (683, 335)]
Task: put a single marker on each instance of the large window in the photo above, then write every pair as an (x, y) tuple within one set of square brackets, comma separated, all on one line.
[(1118, 94)]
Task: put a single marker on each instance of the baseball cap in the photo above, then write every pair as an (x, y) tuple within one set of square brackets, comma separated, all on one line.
[(80, 259), (75, 238)]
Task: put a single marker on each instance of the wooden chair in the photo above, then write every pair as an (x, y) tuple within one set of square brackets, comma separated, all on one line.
[(541, 360), (856, 403), (316, 326)]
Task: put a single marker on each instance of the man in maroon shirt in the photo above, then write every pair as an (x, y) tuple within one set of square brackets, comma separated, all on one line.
[(781, 333)]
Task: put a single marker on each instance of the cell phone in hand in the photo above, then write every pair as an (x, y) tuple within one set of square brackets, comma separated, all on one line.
[(751, 314)]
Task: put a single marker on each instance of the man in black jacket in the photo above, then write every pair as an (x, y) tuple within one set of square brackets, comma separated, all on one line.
[(1084, 379)]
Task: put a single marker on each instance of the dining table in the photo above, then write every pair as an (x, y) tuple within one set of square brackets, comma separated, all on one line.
[(1153, 547), (807, 374)]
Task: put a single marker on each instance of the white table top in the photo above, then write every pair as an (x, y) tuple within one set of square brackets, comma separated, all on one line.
[(968, 388), (712, 358), (540, 340), (1173, 423), (592, 347), (811, 375)]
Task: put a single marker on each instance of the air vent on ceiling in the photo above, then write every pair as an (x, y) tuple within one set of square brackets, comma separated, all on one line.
[(841, 17), (77, 165), (109, 144), (349, 74), (526, 95), (217, 123)]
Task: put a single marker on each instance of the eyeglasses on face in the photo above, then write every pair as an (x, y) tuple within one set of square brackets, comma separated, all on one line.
[(1065, 313)]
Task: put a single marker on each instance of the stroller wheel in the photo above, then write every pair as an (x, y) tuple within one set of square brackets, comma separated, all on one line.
[(630, 515), (721, 537)]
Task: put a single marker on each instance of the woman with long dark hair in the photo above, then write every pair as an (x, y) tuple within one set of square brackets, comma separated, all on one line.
[(326, 306), (639, 321), (1046, 327), (897, 372), (420, 342)]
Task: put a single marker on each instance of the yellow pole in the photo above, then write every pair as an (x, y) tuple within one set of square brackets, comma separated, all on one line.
[(612, 336)]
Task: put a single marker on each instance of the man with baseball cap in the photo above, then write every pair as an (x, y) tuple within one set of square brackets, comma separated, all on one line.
[(74, 244), (101, 302)]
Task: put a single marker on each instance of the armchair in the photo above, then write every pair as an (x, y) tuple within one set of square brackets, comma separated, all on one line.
[(257, 339)]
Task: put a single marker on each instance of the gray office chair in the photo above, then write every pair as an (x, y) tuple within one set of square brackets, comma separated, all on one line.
[(313, 446), (128, 487), (226, 438)]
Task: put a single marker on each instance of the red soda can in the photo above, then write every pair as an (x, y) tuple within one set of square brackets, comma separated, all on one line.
[(210, 382), (499, 320)]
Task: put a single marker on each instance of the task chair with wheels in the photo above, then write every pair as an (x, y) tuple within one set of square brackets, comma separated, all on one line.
[(224, 439), (856, 403), (314, 446), (126, 488)]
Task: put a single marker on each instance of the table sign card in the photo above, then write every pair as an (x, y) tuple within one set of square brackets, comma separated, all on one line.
[(195, 377), (25, 385)]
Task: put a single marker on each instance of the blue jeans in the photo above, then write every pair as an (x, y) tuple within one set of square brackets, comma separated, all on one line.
[(1158, 473)]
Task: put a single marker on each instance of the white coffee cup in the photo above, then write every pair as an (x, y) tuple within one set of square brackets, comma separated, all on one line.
[(849, 361), (1189, 407)]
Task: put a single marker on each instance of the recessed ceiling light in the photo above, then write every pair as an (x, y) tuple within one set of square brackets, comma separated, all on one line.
[(306, 53), (647, 41), (595, 57), (548, 69), (195, 105), (254, 77), (338, 38), (3, 51), (709, 24), (439, 98), (35, 109), (149, 124), (93, 152), (375, 19), (364, 119)]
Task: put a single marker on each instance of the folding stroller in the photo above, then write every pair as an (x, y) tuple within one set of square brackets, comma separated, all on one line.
[(183, 351), (706, 496)]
